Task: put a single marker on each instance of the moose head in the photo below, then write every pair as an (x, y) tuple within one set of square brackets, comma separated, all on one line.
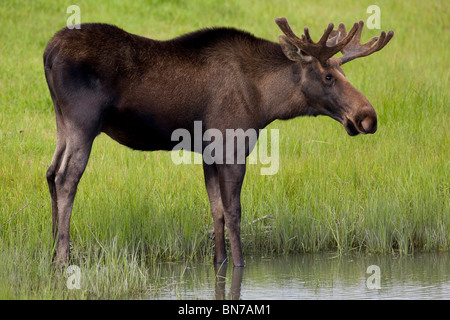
[(323, 83)]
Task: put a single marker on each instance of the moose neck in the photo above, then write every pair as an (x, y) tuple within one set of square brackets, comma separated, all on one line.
[(279, 82), (282, 98)]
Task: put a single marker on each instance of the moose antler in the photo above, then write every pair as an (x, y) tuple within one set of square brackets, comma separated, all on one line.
[(323, 49), (354, 49)]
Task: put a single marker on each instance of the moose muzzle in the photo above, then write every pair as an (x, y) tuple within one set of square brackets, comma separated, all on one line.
[(364, 121)]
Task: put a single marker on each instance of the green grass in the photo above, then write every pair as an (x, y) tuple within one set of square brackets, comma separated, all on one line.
[(380, 193)]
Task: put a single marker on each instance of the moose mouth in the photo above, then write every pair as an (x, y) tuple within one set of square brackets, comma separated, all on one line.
[(351, 128)]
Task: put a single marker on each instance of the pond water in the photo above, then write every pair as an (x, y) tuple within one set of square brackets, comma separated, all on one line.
[(311, 276)]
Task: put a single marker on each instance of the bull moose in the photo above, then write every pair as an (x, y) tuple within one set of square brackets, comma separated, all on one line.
[(138, 91)]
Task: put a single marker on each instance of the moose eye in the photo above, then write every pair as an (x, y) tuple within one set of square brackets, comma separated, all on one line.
[(328, 77)]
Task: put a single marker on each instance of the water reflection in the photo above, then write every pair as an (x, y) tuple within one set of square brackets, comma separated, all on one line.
[(324, 276), (236, 281)]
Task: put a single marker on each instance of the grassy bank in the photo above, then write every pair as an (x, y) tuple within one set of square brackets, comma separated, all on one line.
[(380, 193)]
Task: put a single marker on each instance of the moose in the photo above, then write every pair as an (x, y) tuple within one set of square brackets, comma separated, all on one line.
[(139, 90)]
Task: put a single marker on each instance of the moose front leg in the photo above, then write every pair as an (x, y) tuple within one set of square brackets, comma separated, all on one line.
[(231, 177)]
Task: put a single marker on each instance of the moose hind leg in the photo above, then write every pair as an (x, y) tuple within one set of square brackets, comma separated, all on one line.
[(74, 161), (215, 202), (51, 175)]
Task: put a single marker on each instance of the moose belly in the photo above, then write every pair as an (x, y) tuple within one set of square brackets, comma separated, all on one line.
[(138, 131)]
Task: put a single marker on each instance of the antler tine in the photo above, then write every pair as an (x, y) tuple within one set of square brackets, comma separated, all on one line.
[(340, 30), (347, 36), (286, 28), (358, 34), (326, 33), (355, 49), (306, 35), (323, 49), (335, 35)]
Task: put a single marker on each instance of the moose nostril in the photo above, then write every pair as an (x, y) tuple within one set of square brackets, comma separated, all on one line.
[(368, 125)]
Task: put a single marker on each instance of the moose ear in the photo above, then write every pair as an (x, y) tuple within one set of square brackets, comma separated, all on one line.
[(289, 49), (292, 52)]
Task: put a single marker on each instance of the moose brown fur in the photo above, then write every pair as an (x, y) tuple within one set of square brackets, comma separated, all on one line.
[(139, 90)]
